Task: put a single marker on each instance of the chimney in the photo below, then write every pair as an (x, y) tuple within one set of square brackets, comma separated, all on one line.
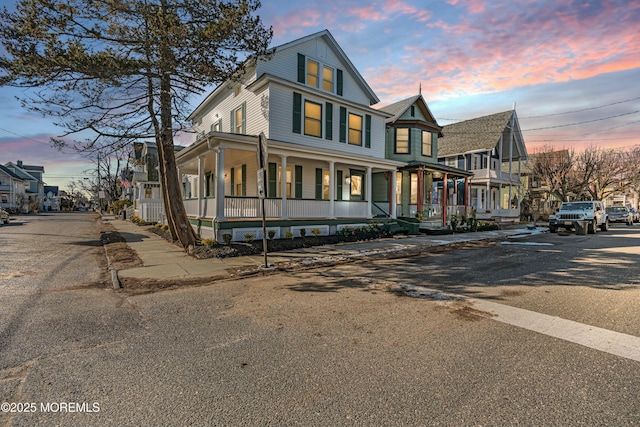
[(19, 163)]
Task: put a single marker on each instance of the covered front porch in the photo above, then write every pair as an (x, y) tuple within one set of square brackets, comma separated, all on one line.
[(497, 198), (219, 176), (432, 193)]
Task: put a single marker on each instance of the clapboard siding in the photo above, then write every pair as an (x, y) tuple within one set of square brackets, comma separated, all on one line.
[(284, 65), (281, 119)]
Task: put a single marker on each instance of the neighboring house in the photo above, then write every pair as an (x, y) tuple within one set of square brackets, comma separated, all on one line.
[(12, 191), (538, 201), (142, 183), (51, 198), (412, 137), (325, 145), (34, 185), (493, 148)]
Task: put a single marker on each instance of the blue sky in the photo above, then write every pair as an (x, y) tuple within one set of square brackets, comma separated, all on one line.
[(572, 68)]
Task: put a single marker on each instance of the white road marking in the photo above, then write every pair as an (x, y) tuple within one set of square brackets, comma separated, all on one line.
[(616, 343), (619, 344)]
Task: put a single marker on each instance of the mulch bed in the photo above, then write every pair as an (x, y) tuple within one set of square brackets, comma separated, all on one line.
[(233, 249)]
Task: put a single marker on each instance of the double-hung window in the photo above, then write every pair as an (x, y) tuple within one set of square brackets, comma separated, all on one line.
[(316, 74), (312, 119), (402, 140), (355, 129), (427, 144), (327, 79), (313, 73), (238, 121)]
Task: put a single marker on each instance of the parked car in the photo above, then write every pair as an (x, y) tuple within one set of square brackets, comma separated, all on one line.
[(4, 216), (590, 212), (620, 214)]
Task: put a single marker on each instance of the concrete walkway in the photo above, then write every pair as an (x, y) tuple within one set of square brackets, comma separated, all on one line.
[(165, 261)]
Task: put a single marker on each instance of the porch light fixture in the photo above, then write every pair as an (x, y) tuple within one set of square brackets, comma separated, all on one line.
[(347, 179)]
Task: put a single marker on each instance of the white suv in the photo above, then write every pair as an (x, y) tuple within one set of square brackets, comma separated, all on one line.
[(592, 212)]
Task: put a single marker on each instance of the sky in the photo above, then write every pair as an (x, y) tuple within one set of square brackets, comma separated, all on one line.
[(570, 67)]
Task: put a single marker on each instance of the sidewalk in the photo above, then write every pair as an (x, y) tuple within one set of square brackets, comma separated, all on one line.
[(165, 261)]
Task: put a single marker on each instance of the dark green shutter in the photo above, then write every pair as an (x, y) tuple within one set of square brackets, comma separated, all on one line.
[(339, 83), (339, 186), (298, 182), (207, 184), (301, 68), (233, 181), (367, 131), (244, 180), (328, 132), (297, 113), (272, 189), (318, 184), (343, 124), (244, 118)]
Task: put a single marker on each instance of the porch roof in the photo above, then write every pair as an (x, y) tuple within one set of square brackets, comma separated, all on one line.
[(437, 167), (187, 158)]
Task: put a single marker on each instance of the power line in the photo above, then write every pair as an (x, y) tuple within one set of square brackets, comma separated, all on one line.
[(579, 111), (556, 114)]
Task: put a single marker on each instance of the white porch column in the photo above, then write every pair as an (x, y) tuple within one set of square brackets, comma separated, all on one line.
[(510, 164), (394, 195), (499, 171), (369, 192), (332, 190), (200, 184), (220, 183), (479, 199), (283, 187)]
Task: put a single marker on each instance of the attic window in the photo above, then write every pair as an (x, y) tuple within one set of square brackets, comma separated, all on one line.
[(312, 73), (413, 111), (327, 79)]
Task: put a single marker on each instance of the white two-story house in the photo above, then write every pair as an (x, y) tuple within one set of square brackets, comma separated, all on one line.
[(325, 143), (493, 148)]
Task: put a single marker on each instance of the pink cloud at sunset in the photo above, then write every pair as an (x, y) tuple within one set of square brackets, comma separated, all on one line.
[(570, 66)]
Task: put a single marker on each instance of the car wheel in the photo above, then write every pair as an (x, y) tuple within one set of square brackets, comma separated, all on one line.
[(553, 229), (591, 227), (605, 226)]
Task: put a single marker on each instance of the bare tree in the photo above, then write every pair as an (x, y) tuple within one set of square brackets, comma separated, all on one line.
[(555, 170), (607, 171), (126, 69)]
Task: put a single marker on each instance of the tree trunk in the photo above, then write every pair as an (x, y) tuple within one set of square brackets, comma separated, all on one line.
[(163, 188), (181, 226)]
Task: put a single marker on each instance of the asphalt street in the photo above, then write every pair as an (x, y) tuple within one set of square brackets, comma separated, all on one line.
[(340, 345)]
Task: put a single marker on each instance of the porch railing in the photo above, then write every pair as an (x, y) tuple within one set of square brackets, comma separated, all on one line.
[(251, 207), (151, 211)]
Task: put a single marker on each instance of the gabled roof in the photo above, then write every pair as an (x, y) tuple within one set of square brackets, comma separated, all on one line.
[(21, 173), (482, 134), (9, 172), (33, 168), (335, 47), (397, 109)]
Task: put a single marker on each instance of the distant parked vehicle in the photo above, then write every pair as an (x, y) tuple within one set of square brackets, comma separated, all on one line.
[(4, 216), (620, 214), (571, 214), (635, 215)]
